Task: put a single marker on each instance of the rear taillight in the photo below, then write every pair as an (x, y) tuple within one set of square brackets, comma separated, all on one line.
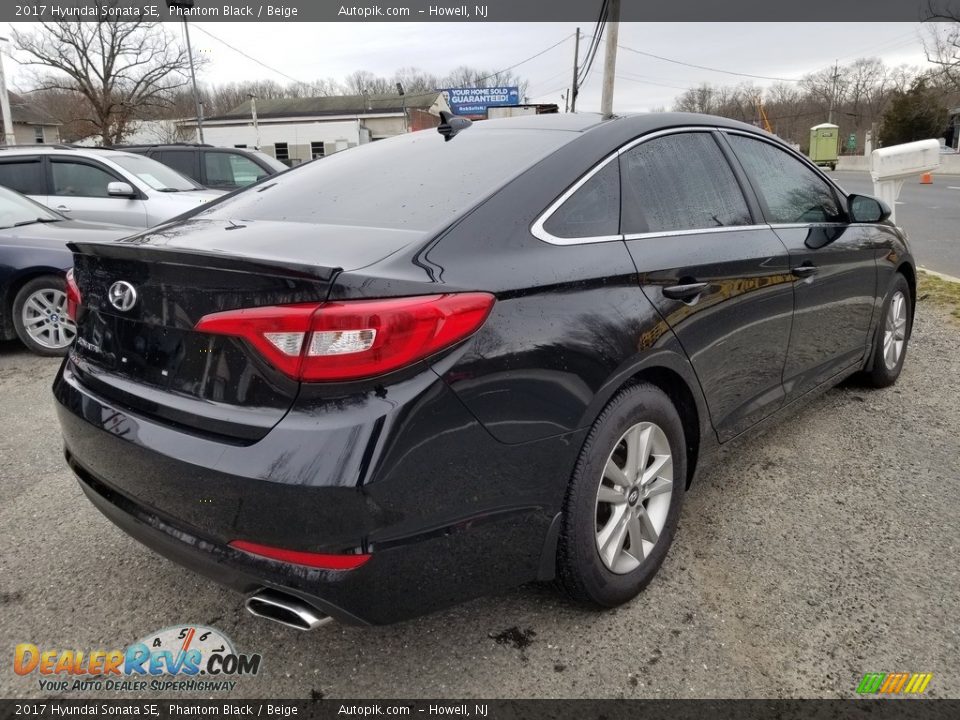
[(353, 339), (73, 296)]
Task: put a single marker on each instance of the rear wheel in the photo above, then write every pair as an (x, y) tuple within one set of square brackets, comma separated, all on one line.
[(624, 499), (40, 316), (890, 347)]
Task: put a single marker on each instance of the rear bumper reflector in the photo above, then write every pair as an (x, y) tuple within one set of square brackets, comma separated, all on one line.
[(323, 561)]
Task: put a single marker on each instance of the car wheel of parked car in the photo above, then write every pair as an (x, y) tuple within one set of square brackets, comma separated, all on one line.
[(624, 499), (40, 316), (893, 334)]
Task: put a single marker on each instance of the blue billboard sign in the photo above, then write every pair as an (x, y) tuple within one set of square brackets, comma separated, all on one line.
[(475, 101)]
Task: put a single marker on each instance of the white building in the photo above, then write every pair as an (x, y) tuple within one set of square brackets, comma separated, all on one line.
[(296, 130)]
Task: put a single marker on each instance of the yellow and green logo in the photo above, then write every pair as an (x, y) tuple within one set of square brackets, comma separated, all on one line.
[(894, 683)]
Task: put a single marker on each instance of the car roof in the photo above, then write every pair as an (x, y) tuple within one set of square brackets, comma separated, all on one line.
[(638, 123), (38, 149)]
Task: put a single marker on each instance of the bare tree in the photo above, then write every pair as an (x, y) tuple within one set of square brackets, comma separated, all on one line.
[(860, 92), (122, 69), (70, 108), (364, 82), (942, 46)]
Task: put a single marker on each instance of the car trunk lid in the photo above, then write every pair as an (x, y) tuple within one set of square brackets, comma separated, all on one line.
[(139, 348)]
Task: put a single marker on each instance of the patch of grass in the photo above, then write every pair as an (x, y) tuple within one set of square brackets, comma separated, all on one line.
[(938, 291)]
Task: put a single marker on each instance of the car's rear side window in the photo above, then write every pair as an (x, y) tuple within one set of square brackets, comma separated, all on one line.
[(25, 176), (679, 182), (790, 191), (593, 210), (415, 181)]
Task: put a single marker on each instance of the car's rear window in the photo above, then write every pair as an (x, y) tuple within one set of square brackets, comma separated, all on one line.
[(415, 182)]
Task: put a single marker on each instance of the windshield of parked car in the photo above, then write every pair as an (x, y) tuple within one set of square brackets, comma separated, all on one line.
[(15, 210), (415, 181), (156, 175)]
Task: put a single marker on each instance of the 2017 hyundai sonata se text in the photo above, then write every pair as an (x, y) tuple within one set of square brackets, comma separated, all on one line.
[(444, 364)]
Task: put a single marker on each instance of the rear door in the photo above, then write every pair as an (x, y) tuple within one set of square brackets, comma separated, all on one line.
[(78, 189), (718, 276), (833, 261), (24, 173)]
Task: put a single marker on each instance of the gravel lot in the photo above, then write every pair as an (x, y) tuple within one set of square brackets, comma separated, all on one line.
[(824, 549)]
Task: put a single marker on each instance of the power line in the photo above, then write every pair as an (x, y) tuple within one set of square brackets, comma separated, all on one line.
[(301, 82), (704, 67), (199, 27), (532, 57), (591, 53), (875, 46), (639, 79)]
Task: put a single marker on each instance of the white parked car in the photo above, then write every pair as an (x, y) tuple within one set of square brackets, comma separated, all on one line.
[(100, 185)]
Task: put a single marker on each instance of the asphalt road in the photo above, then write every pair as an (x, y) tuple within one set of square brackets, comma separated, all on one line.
[(825, 549), (929, 213)]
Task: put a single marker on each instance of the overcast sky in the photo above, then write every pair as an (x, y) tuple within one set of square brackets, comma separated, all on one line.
[(305, 51)]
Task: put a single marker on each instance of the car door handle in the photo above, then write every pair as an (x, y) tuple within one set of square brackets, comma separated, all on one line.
[(686, 292), (805, 271), (63, 208)]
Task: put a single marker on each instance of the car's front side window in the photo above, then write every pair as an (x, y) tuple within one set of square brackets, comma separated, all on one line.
[(231, 170), (74, 179), (179, 160), (790, 191), (680, 182)]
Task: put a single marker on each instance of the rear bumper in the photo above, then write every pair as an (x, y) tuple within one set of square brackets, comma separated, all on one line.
[(446, 512)]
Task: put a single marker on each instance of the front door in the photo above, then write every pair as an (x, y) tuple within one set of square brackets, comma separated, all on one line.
[(833, 262), (78, 189)]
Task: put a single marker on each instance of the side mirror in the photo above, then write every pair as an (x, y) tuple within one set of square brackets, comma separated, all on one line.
[(866, 209), (120, 189)]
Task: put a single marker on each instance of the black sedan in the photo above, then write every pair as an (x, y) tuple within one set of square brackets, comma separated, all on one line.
[(449, 363), (33, 261)]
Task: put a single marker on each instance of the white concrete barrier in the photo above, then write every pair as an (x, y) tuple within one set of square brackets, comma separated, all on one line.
[(949, 164)]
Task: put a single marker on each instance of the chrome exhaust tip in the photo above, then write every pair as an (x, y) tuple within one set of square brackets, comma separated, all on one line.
[(286, 609)]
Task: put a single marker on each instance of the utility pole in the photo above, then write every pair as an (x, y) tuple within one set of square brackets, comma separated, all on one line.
[(576, 59), (610, 61), (193, 79), (833, 91), (253, 114), (403, 101), (183, 7), (8, 136)]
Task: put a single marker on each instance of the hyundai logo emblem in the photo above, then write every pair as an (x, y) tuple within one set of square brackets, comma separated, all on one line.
[(122, 295)]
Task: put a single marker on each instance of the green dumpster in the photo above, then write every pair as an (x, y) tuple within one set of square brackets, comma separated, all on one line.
[(824, 144)]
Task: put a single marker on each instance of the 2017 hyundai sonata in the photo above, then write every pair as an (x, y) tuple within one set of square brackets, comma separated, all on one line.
[(448, 363)]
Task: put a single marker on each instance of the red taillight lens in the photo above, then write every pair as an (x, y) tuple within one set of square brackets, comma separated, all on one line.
[(298, 557), (73, 296), (353, 339)]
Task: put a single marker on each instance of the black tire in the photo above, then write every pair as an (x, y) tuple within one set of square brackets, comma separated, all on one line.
[(580, 570), (880, 375), (43, 282)]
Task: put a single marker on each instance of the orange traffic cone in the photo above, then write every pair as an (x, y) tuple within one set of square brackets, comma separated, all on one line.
[(926, 179)]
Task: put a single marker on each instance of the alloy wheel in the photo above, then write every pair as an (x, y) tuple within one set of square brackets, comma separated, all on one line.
[(45, 319), (895, 330), (634, 497)]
